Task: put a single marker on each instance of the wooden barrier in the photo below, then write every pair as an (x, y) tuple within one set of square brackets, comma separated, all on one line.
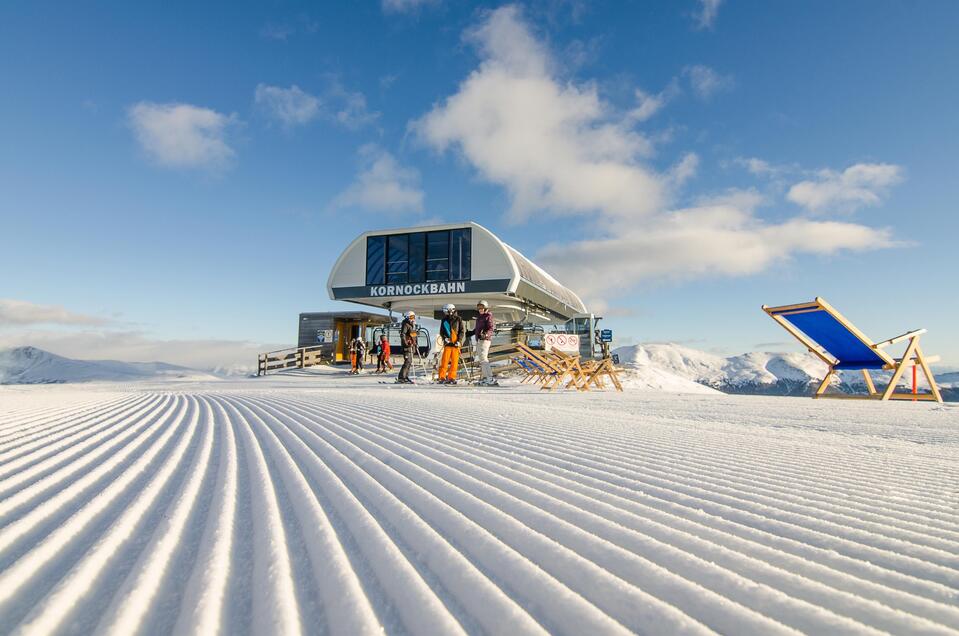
[(294, 358)]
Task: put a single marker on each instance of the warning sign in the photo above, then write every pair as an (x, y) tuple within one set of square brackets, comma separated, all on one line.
[(565, 342)]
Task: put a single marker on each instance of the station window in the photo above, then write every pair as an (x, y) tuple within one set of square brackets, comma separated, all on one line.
[(460, 254), (398, 258), (375, 260), (418, 257), (438, 256)]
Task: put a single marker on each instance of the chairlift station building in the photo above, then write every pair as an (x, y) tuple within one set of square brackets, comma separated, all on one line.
[(423, 268)]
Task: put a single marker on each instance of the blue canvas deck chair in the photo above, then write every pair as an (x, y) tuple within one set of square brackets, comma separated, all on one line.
[(837, 342)]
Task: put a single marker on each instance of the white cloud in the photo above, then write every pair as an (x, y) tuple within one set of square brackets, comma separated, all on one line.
[(557, 148), (721, 237), (382, 185), (685, 169), (22, 312), (554, 146), (406, 6), (294, 107), (649, 104), (706, 16), (706, 82), (858, 185), (281, 31), (348, 108), (277, 31), (756, 166), (133, 346), (290, 106), (182, 135)]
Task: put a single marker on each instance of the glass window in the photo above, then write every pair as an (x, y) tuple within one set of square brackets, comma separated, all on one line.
[(460, 255), (417, 257), (398, 258), (375, 260), (438, 256)]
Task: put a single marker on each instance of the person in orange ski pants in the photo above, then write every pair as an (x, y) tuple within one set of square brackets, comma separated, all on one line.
[(451, 331)]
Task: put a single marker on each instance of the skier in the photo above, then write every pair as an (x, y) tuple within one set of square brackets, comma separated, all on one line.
[(383, 355), (357, 353), (408, 338), (483, 333), (451, 331)]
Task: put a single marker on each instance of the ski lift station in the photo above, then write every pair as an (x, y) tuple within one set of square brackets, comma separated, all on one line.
[(424, 268)]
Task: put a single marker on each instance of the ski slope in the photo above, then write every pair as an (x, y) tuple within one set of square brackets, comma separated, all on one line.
[(320, 503)]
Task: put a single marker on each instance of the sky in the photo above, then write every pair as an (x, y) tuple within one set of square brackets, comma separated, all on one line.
[(177, 178)]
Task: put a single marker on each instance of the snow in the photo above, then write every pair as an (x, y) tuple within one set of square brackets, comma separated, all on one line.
[(29, 365), (707, 368), (314, 502), (750, 372), (653, 378)]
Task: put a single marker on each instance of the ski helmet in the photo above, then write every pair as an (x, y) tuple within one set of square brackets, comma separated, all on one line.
[(411, 314), (449, 307), (483, 303)]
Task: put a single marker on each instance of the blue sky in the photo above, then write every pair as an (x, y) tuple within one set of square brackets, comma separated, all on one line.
[(177, 178)]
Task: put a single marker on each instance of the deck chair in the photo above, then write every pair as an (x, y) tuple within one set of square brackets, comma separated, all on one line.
[(536, 372), (596, 370), (571, 366), (532, 370), (837, 342), (554, 369)]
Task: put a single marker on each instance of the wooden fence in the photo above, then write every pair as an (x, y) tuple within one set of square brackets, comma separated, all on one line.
[(296, 358)]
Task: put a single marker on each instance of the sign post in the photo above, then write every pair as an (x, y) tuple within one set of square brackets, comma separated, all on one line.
[(603, 338)]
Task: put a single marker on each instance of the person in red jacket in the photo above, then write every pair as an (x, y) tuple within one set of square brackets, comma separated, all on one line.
[(383, 356)]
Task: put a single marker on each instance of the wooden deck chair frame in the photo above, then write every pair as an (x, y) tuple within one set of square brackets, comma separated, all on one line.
[(592, 372), (913, 355), (526, 366), (540, 371), (556, 369), (565, 366), (573, 367), (535, 372), (596, 370)]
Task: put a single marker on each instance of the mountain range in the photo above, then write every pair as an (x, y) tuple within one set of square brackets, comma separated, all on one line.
[(29, 365), (651, 366), (757, 373)]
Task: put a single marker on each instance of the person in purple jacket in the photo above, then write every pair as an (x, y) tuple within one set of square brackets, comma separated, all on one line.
[(483, 333)]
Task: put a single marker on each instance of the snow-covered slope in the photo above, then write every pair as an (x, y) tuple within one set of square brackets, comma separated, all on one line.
[(29, 365), (335, 504), (653, 378), (737, 374)]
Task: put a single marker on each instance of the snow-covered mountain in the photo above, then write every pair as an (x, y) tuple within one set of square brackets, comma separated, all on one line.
[(29, 365), (761, 373)]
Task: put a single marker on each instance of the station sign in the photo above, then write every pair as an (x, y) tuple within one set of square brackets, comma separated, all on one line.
[(566, 342), (421, 289), (606, 335), (418, 289)]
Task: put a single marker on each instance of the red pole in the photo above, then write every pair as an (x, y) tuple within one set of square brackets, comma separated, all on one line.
[(914, 381)]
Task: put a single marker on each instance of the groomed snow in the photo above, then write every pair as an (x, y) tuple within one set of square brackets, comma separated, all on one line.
[(322, 503)]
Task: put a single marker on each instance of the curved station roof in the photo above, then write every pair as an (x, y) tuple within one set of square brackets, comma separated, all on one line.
[(423, 268)]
